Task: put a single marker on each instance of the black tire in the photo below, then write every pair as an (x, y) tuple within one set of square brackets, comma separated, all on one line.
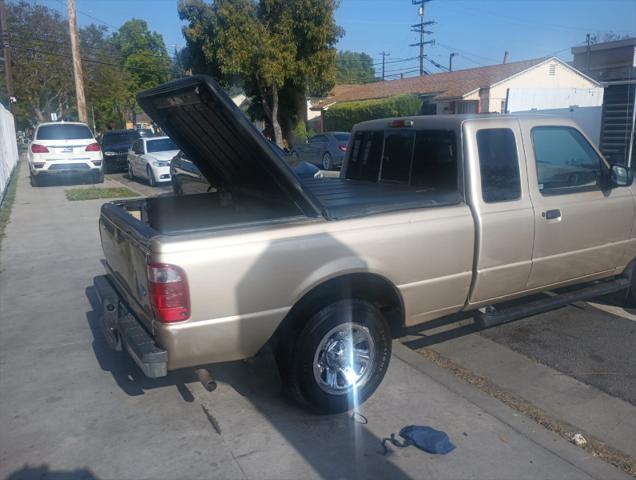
[(151, 178), (327, 161), (630, 300), (297, 354), (35, 181)]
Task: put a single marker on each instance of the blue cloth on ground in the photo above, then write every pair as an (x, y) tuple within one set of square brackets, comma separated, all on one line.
[(424, 438)]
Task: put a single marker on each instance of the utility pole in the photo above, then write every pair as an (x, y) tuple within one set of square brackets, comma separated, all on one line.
[(77, 62), (4, 37), (420, 28), (450, 61), (384, 54)]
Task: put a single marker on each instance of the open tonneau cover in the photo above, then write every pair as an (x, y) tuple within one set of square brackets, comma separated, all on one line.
[(213, 132)]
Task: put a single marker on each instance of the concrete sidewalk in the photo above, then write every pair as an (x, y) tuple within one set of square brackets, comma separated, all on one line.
[(71, 406)]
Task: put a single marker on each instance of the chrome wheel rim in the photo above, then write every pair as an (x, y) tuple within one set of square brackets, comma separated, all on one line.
[(344, 359)]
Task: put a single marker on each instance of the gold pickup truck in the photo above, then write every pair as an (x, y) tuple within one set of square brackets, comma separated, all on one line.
[(431, 215)]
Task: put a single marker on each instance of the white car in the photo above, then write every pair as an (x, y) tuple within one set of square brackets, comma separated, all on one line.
[(149, 158), (64, 148)]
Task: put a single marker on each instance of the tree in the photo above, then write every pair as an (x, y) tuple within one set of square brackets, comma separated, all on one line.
[(280, 49), (354, 67), (41, 63), (142, 55), (105, 81)]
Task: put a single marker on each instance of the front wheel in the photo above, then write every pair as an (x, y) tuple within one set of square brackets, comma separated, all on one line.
[(339, 358), (151, 178)]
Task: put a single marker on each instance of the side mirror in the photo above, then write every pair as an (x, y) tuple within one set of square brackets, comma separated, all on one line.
[(621, 176)]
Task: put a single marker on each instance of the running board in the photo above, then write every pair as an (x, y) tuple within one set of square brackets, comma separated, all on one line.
[(499, 316)]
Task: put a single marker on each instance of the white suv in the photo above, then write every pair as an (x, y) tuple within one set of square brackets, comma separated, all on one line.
[(64, 148)]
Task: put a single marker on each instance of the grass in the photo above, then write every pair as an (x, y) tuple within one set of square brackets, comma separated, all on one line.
[(93, 193), (7, 202)]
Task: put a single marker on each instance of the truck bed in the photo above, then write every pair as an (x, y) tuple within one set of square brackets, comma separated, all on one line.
[(342, 198)]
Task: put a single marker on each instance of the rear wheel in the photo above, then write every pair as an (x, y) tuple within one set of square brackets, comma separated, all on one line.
[(131, 175), (35, 181), (98, 177), (151, 178), (339, 357), (327, 162)]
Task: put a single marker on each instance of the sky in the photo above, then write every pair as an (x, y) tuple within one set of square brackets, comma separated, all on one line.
[(480, 31)]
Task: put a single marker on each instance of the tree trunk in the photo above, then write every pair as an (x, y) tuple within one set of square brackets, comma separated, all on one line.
[(278, 133)]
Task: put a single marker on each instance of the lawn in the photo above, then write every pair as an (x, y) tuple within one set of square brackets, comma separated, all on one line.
[(93, 193)]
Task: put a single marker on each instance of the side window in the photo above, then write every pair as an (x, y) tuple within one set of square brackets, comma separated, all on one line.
[(317, 139), (566, 162), (398, 153), (366, 153), (499, 165)]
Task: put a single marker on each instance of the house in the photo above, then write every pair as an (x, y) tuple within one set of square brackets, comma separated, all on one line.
[(474, 90), (614, 65)]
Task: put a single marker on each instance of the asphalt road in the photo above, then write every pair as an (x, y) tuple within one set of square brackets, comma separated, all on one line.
[(581, 341), (140, 185)]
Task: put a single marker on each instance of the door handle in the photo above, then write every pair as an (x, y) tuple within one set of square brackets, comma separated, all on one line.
[(552, 214)]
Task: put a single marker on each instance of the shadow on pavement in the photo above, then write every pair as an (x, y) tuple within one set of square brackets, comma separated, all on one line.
[(44, 472), (335, 446)]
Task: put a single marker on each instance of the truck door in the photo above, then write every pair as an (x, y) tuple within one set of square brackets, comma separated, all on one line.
[(499, 198), (581, 229)]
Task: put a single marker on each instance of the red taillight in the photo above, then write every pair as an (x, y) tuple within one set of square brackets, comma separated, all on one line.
[(93, 147), (35, 148), (343, 147), (169, 295)]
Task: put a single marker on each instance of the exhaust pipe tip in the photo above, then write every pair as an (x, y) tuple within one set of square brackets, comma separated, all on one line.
[(203, 375)]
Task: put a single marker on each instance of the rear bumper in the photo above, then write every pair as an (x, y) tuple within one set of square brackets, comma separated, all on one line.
[(123, 331)]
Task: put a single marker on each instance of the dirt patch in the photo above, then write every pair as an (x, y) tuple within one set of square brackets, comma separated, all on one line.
[(593, 445)]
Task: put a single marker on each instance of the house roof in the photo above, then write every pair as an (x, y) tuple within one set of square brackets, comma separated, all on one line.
[(442, 85)]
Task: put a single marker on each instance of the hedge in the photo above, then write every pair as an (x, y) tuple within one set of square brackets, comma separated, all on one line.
[(343, 116)]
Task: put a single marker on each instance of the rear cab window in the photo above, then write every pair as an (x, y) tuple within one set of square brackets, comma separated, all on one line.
[(64, 132), (422, 159)]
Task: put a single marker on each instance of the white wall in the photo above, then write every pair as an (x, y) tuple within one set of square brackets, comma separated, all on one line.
[(8, 148), (520, 99)]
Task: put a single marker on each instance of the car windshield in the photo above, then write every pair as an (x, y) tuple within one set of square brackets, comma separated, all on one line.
[(64, 132), (119, 137), (160, 145), (342, 137)]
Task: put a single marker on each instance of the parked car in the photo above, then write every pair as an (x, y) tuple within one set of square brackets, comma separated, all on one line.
[(145, 132), (115, 145), (188, 179), (327, 150), (149, 158), (64, 149), (431, 215)]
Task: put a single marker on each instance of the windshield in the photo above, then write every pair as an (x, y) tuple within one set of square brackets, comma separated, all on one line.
[(64, 132), (342, 137), (160, 145), (119, 137)]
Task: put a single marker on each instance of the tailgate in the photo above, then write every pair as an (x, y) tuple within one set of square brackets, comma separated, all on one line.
[(126, 245)]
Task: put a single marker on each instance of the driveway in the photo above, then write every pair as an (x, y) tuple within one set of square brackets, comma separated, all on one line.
[(71, 408)]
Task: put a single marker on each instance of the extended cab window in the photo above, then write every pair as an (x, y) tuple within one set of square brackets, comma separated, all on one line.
[(499, 165), (566, 162)]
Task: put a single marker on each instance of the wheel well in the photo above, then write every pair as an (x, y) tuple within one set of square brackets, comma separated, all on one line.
[(364, 286)]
